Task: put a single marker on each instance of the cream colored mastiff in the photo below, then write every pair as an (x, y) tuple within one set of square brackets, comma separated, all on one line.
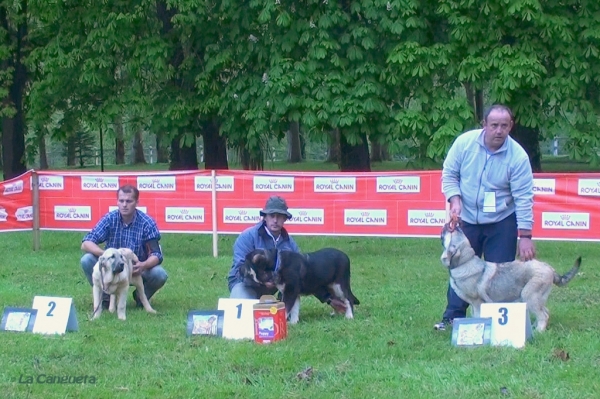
[(113, 273)]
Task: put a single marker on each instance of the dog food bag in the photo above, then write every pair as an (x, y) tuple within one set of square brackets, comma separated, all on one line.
[(270, 323)]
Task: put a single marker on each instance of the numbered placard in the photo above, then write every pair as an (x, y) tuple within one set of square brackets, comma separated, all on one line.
[(239, 317), (510, 323), (55, 315)]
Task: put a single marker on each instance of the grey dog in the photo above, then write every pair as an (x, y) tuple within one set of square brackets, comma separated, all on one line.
[(477, 281)]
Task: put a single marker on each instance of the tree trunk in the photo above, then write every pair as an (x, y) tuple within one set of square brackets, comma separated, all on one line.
[(138, 148), (479, 105), (379, 152), (183, 157), (119, 141), (162, 150), (529, 138), (354, 158), (215, 146), (251, 161), (70, 151), (294, 152), (42, 150), (13, 127), (333, 146)]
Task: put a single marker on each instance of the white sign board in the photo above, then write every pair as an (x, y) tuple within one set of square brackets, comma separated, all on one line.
[(510, 323), (55, 315), (238, 318)]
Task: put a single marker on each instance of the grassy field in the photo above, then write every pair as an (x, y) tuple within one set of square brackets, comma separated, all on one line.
[(389, 350)]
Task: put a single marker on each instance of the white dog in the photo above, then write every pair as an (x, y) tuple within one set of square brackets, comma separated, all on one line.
[(112, 274)]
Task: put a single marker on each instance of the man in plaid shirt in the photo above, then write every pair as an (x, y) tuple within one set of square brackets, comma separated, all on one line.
[(127, 227)]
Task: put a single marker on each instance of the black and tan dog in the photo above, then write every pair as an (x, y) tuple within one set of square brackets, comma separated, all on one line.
[(324, 273), (477, 281)]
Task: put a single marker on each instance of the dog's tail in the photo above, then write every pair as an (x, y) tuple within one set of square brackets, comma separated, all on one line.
[(354, 300), (564, 280)]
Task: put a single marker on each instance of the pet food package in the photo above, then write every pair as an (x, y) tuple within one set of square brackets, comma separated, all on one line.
[(270, 323)]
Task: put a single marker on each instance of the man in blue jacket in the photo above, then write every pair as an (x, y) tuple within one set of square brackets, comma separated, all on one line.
[(268, 234), (488, 182)]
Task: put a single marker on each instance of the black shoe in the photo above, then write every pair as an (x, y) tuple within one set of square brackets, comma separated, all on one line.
[(138, 304), (441, 326)]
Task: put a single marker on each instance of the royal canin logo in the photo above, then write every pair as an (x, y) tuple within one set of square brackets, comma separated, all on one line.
[(184, 211), (242, 212), (397, 181), (565, 217), (429, 214), (364, 214)]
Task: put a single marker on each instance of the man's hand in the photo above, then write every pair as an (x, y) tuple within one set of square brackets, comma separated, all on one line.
[(139, 268), (455, 206), (338, 305), (526, 249)]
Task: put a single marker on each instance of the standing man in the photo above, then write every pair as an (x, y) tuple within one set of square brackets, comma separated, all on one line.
[(488, 182), (130, 228)]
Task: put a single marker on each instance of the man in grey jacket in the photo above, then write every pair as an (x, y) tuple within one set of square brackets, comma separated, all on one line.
[(488, 182)]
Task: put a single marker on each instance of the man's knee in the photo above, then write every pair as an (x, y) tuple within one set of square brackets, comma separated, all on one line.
[(241, 291), (157, 275), (88, 261)]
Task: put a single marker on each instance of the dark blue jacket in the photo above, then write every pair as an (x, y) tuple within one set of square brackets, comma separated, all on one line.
[(256, 237)]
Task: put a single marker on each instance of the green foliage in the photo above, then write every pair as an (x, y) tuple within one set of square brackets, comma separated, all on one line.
[(395, 70)]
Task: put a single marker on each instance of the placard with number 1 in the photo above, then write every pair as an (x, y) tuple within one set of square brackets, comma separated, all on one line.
[(238, 318)]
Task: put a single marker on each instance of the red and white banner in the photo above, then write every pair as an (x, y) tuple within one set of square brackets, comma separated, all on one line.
[(16, 210), (396, 204)]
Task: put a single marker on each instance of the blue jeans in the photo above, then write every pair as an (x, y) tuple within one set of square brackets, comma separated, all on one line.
[(153, 279), (497, 242), (242, 291)]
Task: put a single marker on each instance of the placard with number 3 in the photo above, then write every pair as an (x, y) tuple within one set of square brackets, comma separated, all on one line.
[(510, 323), (238, 320)]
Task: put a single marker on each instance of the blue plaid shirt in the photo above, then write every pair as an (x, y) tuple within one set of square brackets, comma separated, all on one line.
[(116, 234)]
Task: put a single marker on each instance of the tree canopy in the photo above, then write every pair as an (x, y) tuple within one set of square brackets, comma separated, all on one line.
[(410, 74)]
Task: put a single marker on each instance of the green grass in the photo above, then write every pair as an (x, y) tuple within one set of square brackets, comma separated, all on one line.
[(389, 350)]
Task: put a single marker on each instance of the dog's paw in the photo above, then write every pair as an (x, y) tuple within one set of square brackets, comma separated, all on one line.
[(122, 317), (151, 311), (293, 320)]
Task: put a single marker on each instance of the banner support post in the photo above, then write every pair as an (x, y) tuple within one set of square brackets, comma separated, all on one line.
[(35, 193), (215, 234)]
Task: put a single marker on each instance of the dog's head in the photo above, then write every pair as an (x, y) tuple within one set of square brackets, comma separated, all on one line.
[(453, 241), (111, 262), (259, 266)]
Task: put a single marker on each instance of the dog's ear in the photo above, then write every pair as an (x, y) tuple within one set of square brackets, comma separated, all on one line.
[(128, 254), (257, 257), (303, 261)]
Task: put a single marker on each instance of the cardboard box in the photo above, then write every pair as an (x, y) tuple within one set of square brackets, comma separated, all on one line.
[(270, 322)]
